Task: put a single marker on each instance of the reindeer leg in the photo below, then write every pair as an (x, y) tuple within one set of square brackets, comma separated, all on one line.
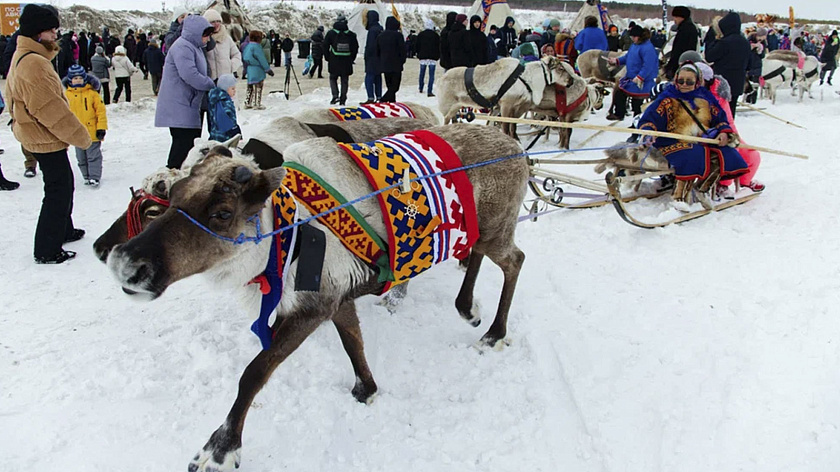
[(223, 450), (464, 301), (510, 260), (347, 323)]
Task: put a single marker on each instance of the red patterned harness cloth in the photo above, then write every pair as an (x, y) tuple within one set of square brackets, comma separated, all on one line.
[(373, 110)]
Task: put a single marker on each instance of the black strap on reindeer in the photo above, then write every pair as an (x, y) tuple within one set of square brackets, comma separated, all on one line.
[(483, 102), (811, 73), (776, 73)]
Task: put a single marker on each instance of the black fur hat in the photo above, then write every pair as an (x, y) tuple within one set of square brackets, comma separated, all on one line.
[(682, 12), (36, 19)]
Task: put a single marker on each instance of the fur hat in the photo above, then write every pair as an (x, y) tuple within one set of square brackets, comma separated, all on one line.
[(212, 15), (76, 71), (636, 31), (690, 56), (226, 81), (682, 12), (119, 50), (36, 19)]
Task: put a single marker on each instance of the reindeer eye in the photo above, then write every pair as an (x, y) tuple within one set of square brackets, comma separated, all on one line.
[(226, 189), (152, 213), (222, 215)]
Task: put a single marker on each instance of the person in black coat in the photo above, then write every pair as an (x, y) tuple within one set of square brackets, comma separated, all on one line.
[(478, 43), (492, 48), (111, 46), (729, 55), (65, 55), (317, 52), (373, 76), (428, 52), (142, 44), (686, 39), (460, 52), (130, 45), (507, 37), (153, 59), (340, 49), (445, 55), (829, 56), (83, 51), (391, 51)]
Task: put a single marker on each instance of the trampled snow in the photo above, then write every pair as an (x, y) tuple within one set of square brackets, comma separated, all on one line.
[(707, 346)]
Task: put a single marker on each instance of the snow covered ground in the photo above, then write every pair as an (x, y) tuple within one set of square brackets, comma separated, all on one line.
[(710, 346)]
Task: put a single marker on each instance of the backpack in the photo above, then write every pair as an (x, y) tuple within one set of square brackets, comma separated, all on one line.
[(342, 45)]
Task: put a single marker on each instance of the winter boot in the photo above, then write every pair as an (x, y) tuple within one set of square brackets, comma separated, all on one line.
[(7, 184), (258, 88), (249, 96)]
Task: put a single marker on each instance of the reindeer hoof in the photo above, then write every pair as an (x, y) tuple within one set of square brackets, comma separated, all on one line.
[(205, 461), (364, 393), (488, 342), (474, 315)]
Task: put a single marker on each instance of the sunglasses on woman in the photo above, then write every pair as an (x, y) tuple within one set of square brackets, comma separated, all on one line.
[(688, 82)]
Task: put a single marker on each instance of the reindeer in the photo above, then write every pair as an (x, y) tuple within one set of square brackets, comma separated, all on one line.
[(593, 64), (326, 116), (581, 98), (632, 161), (774, 74), (800, 77), (525, 92), (265, 148), (227, 193)]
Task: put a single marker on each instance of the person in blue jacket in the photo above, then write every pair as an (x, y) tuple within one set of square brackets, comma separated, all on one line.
[(642, 62), (591, 37)]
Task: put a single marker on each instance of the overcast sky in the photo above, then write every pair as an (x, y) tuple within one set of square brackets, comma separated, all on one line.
[(820, 9)]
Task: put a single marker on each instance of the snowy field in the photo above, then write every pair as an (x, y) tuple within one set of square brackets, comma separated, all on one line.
[(710, 346)]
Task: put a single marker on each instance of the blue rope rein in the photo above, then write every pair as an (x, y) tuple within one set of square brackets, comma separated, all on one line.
[(259, 237)]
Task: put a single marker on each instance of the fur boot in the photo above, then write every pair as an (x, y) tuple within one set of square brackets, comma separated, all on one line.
[(249, 97), (258, 88)]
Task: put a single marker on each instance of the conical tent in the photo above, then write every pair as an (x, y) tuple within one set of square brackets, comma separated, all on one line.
[(589, 8), (492, 12), (233, 17), (358, 19)]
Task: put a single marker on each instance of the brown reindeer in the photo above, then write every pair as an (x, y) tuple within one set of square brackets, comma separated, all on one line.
[(224, 192)]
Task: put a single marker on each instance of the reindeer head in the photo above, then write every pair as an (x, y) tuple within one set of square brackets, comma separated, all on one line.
[(223, 194), (597, 90)]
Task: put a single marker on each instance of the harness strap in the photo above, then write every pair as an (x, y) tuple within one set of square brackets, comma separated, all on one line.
[(483, 102), (810, 74), (776, 73)]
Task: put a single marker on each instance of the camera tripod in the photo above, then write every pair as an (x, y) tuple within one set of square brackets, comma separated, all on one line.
[(290, 72)]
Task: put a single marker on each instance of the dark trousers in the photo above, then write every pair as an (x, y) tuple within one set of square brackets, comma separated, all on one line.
[(106, 94), (392, 85), (155, 83), (182, 142), (334, 87), (55, 223), (317, 63), (733, 104), (126, 83), (620, 102)]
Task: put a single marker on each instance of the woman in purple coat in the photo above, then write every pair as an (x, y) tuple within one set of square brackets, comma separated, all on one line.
[(184, 85)]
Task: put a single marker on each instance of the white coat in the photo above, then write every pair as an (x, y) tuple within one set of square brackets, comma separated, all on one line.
[(225, 58), (120, 64)]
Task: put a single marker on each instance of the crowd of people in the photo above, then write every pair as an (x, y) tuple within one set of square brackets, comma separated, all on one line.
[(58, 84)]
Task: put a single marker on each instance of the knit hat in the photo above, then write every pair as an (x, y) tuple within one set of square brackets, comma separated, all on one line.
[(690, 56), (178, 11), (554, 22), (636, 31), (99, 50), (706, 70), (36, 19), (212, 15), (76, 71), (226, 81), (682, 12), (461, 18)]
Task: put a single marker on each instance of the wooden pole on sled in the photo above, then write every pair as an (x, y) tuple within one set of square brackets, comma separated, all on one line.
[(643, 132), (771, 115)]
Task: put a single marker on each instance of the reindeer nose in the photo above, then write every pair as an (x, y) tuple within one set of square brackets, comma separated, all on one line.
[(138, 273), (131, 270), (101, 250)]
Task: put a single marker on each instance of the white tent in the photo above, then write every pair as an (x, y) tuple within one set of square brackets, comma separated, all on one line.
[(589, 8), (358, 19), (495, 13)]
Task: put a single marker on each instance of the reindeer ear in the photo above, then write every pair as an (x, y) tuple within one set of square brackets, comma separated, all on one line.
[(262, 185)]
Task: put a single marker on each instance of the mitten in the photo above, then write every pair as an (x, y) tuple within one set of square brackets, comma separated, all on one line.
[(100, 134)]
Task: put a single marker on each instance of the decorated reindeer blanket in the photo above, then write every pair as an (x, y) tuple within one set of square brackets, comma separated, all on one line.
[(373, 110), (430, 219)]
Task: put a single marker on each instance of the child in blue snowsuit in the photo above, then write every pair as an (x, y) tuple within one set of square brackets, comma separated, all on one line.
[(222, 114)]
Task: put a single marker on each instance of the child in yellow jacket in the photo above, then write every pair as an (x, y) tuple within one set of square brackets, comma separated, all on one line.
[(83, 94)]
